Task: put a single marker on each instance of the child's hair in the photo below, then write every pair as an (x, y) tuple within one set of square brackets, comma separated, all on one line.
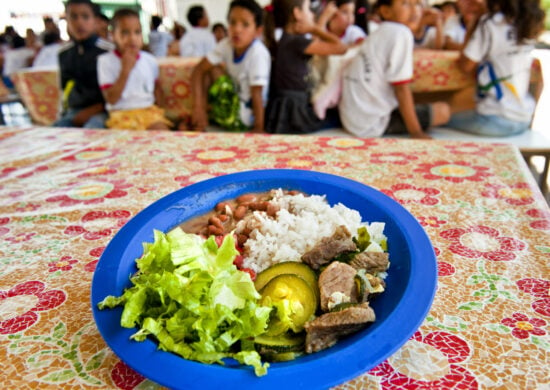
[(51, 37), (156, 21), (447, 4), (218, 25), (195, 14), (362, 10), (526, 15), (88, 2), (278, 14), (252, 6), (122, 13)]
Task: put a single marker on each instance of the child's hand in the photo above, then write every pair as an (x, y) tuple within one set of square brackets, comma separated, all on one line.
[(432, 17), (328, 12), (129, 59), (305, 27)]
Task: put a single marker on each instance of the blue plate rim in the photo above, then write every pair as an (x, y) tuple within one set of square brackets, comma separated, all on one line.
[(418, 290)]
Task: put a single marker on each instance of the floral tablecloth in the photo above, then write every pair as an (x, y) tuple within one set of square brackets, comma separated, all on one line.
[(64, 193)]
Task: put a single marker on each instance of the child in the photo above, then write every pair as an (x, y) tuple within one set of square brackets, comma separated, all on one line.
[(427, 27), (77, 60), (47, 56), (289, 109), (342, 23), (454, 30), (219, 31), (247, 62), (198, 41), (376, 82), (499, 50), (127, 76), (159, 41)]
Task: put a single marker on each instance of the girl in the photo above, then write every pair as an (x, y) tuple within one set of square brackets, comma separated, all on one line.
[(499, 49), (289, 109), (128, 78), (342, 23)]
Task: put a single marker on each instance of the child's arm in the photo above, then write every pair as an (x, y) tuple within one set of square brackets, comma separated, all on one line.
[(406, 108), (257, 108), (433, 17), (159, 95), (326, 44), (86, 113), (327, 14), (199, 117), (113, 93)]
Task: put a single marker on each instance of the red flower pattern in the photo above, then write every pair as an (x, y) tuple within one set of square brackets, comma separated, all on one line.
[(119, 217), (543, 217), (96, 252), (4, 230), (276, 148), (455, 172), (92, 154), (124, 377), (523, 326), (396, 158), (539, 288), (21, 237), (442, 352), (469, 148), (517, 195), (63, 264), (445, 269), (408, 193), (431, 221), (299, 162), (482, 242), (91, 192), (26, 300), (217, 155)]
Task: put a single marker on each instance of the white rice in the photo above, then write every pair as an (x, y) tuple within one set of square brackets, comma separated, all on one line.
[(301, 222)]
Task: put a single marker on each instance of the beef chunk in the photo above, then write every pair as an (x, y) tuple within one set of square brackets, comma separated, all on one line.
[(330, 247), (324, 331), (372, 262), (337, 277)]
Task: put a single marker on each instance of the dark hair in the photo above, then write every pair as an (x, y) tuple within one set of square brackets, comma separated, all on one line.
[(17, 42), (278, 15), (218, 25), (95, 8), (342, 2), (123, 13), (195, 14), (251, 6), (526, 15), (362, 11), (447, 4), (51, 37), (156, 21)]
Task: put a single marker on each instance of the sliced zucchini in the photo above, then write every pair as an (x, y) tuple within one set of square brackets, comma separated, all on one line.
[(288, 267), (286, 342), (295, 294), (281, 356)]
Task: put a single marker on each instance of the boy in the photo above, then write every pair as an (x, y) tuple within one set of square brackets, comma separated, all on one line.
[(128, 78), (198, 41), (159, 40), (376, 82), (246, 60), (77, 61)]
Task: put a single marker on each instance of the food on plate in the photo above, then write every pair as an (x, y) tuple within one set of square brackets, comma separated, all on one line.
[(263, 277)]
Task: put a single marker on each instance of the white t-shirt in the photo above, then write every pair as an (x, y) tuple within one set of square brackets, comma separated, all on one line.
[(454, 29), (139, 91), (251, 69), (197, 42), (385, 59), (16, 59), (48, 56), (504, 70), (428, 39), (352, 35), (159, 41)]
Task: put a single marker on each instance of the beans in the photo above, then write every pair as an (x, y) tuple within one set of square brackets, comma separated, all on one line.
[(216, 222), (260, 206), (246, 198), (223, 217), (272, 209), (215, 230), (240, 212)]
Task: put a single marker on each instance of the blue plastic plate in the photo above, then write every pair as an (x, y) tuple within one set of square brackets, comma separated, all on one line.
[(400, 310)]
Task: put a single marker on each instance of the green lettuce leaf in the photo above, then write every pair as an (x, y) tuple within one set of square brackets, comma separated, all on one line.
[(190, 297)]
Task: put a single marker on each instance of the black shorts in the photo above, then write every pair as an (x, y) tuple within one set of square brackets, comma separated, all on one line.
[(397, 124)]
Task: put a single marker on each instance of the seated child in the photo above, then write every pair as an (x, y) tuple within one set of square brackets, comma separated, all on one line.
[(454, 30), (128, 78), (376, 97), (499, 52), (290, 109), (78, 68), (219, 31), (427, 27), (342, 23), (197, 41), (246, 61)]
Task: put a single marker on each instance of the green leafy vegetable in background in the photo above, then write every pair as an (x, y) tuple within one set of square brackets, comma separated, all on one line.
[(224, 104), (193, 300)]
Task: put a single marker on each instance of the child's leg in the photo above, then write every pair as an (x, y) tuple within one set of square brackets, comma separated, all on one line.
[(486, 125), (66, 120), (441, 113), (97, 121)]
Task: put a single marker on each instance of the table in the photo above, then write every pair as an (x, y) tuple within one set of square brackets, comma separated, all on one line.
[(65, 194)]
